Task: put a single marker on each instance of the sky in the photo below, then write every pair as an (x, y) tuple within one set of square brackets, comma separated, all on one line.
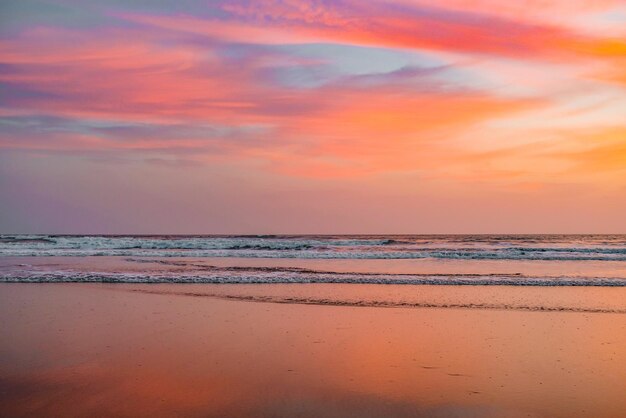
[(293, 116)]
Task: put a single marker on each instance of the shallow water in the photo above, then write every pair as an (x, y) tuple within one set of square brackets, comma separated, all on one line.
[(572, 286)]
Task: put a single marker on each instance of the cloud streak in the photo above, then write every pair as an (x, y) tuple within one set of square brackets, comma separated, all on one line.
[(460, 93)]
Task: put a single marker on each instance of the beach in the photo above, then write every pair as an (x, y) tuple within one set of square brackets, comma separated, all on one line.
[(313, 326), (144, 350)]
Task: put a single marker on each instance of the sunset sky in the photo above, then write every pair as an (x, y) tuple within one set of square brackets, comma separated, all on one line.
[(292, 116)]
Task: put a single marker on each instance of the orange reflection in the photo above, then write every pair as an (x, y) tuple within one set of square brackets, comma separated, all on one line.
[(79, 350)]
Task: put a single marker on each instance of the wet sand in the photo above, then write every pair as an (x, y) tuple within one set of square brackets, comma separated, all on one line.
[(116, 350)]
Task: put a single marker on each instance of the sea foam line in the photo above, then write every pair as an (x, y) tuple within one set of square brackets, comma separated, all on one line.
[(360, 254), (304, 277)]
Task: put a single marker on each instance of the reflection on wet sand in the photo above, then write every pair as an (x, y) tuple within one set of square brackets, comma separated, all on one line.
[(87, 350)]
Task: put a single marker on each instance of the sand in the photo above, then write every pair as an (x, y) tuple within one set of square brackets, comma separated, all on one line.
[(115, 350)]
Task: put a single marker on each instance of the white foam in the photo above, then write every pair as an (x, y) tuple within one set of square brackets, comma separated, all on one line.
[(278, 276), (610, 248)]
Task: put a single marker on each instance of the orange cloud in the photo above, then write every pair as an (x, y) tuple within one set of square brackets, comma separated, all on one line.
[(599, 152), (371, 131)]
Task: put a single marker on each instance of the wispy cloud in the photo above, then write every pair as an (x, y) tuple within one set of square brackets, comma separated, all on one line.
[(490, 93)]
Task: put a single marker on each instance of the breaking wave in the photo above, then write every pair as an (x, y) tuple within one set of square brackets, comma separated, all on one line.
[(470, 247), (279, 275)]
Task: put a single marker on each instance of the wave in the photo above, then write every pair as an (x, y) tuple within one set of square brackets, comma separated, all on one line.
[(269, 242), (244, 275), (573, 254), (26, 240), (599, 248)]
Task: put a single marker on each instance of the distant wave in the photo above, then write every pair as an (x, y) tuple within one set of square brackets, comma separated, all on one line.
[(471, 247), (26, 240), (576, 255)]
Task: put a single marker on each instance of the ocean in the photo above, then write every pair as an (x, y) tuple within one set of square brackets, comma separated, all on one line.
[(522, 260)]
